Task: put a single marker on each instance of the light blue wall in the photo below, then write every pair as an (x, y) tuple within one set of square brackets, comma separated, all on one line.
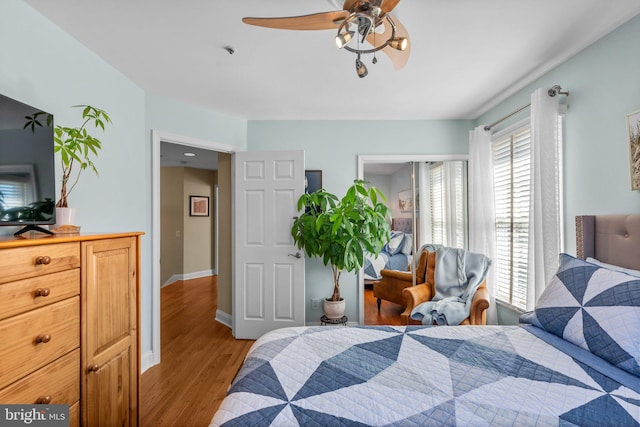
[(45, 67), (333, 147), (168, 115), (604, 83)]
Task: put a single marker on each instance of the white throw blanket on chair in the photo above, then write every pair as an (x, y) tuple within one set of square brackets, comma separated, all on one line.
[(458, 274)]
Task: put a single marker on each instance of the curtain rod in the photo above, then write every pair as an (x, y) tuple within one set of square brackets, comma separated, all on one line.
[(555, 90)]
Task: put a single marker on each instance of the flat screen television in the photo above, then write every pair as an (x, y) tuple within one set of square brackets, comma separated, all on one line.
[(27, 174)]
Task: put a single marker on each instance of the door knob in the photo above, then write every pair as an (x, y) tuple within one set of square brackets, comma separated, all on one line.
[(296, 255)]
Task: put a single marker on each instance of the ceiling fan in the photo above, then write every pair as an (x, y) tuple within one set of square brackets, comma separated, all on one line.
[(364, 27)]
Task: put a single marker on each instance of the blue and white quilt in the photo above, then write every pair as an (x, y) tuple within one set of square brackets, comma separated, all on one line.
[(374, 264), (395, 255), (422, 376)]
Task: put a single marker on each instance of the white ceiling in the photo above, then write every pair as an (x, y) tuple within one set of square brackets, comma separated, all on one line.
[(174, 155), (466, 55)]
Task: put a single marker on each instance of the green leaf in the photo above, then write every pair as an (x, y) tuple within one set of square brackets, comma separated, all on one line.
[(77, 146), (339, 231), (336, 224)]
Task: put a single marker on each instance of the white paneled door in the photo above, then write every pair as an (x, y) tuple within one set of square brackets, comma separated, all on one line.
[(268, 269)]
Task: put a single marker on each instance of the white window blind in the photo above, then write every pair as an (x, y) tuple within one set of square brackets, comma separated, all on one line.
[(437, 204), (512, 181), (448, 189), (15, 190)]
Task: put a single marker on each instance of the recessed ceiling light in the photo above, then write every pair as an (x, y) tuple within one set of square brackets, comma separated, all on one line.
[(190, 154)]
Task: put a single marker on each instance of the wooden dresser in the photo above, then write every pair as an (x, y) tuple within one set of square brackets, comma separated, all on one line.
[(69, 322)]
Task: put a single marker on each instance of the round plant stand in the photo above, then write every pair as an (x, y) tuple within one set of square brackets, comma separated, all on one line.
[(324, 320)]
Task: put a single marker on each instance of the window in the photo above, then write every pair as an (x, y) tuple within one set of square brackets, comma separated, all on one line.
[(437, 205), (448, 189), (512, 181), (16, 186)]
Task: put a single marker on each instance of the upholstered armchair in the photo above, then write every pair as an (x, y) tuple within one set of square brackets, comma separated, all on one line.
[(393, 282), (415, 295)]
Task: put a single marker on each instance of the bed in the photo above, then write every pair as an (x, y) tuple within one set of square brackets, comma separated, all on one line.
[(395, 255), (557, 369)]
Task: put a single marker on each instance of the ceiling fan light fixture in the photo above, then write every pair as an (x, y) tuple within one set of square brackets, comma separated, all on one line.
[(367, 21), (361, 69), (399, 43), (343, 39)]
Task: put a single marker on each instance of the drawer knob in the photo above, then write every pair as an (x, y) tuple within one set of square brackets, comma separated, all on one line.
[(43, 338), (41, 292), (43, 400), (93, 368), (43, 260)]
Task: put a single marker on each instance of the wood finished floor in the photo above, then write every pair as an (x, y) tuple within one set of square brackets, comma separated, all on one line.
[(200, 357), (389, 313)]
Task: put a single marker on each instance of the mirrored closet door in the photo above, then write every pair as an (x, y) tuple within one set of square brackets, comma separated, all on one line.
[(427, 200)]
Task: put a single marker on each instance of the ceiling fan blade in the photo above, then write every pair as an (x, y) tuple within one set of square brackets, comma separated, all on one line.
[(348, 4), (316, 21), (399, 58), (389, 5)]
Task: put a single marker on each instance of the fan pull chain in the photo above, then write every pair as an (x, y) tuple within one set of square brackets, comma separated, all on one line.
[(375, 59)]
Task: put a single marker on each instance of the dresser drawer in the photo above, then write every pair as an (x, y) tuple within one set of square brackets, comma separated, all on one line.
[(25, 262), (36, 338), (56, 383), (24, 295)]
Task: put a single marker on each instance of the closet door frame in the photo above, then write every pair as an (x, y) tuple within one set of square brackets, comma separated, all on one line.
[(365, 159)]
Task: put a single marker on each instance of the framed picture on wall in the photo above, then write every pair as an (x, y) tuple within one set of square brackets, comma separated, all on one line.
[(633, 127), (198, 206), (312, 180), (405, 201)]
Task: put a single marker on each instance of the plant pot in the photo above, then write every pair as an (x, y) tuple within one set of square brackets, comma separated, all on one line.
[(333, 309), (65, 216)]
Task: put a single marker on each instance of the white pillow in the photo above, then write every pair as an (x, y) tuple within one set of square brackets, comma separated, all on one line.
[(407, 245), (395, 243), (595, 308), (628, 271)]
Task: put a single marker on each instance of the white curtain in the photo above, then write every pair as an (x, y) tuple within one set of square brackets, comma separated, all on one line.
[(545, 224), (482, 222)]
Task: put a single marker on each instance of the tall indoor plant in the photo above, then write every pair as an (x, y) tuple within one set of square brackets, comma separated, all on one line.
[(75, 146), (339, 231)]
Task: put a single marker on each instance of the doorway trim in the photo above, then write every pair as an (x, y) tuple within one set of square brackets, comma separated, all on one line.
[(365, 159), (152, 358)]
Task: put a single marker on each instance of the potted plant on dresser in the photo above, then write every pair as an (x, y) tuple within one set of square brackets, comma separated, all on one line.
[(339, 231), (76, 147)]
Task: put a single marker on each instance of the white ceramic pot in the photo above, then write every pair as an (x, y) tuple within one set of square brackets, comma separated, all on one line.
[(333, 309), (65, 216)]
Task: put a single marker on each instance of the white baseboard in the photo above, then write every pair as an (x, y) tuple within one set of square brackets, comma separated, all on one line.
[(148, 360), (189, 276), (224, 318)]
